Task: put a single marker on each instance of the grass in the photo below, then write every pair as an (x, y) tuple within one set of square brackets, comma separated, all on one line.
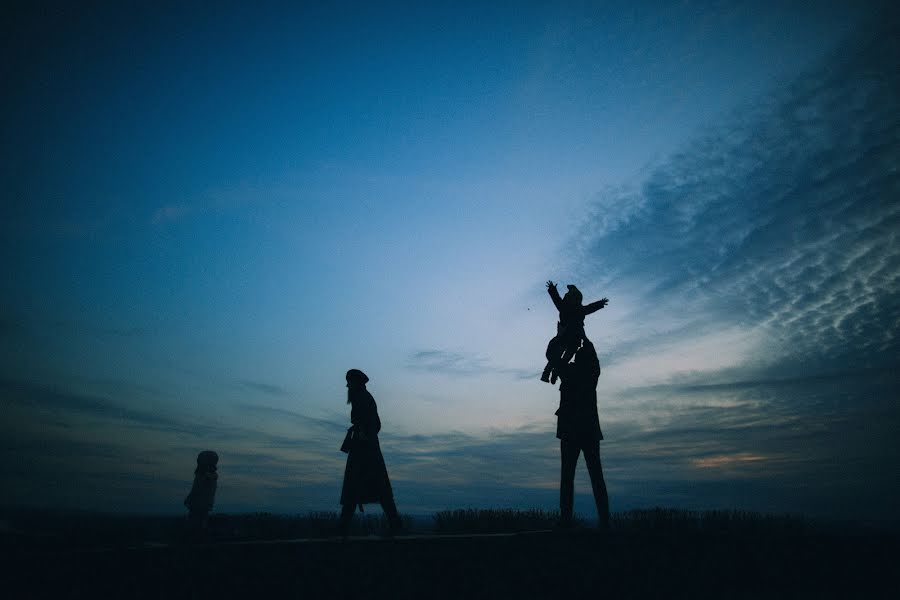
[(676, 520), (46, 529), (268, 526), (650, 553), (494, 520), (42, 528), (649, 520)]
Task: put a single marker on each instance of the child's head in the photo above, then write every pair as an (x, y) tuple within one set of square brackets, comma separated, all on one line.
[(207, 460), (573, 295)]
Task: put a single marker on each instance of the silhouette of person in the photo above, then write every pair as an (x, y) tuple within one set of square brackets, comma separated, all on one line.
[(365, 476), (203, 492), (569, 328), (578, 429)]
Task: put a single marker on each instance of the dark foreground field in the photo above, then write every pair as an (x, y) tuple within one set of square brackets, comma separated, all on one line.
[(544, 564)]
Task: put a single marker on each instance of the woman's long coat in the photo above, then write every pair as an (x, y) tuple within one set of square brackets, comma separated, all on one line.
[(365, 476)]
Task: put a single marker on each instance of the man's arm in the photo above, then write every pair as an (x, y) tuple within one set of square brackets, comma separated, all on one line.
[(595, 306), (554, 294)]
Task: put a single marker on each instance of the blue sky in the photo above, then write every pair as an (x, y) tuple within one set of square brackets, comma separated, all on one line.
[(210, 215)]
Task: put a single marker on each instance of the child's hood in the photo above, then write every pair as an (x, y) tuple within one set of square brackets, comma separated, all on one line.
[(207, 458), (575, 294)]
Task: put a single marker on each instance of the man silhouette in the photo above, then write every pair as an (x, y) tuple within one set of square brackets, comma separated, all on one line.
[(578, 429)]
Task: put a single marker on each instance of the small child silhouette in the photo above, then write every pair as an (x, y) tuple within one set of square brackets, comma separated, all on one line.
[(569, 329), (200, 499)]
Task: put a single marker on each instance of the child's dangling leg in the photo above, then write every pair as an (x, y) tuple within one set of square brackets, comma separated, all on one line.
[(548, 369), (552, 354), (569, 342), (566, 357)]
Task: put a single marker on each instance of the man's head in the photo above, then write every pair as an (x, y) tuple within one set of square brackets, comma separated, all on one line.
[(587, 354)]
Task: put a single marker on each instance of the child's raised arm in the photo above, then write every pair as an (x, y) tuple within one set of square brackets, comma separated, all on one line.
[(554, 294), (595, 306)]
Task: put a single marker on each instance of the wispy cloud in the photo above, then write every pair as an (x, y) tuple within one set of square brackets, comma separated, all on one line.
[(462, 364), (723, 461), (780, 221), (763, 269), (694, 446), (266, 388), (273, 413), (51, 400)]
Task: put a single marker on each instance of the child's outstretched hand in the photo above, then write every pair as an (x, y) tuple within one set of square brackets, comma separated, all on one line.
[(550, 284), (604, 302)]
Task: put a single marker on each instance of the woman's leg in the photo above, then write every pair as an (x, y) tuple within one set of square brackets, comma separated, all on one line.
[(346, 517), (390, 510)]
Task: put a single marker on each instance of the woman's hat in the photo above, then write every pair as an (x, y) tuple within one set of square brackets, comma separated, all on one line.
[(356, 376)]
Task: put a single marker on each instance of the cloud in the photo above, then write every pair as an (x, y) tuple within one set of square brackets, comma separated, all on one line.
[(266, 388), (781, 221), (48, 400), (461, 364), (762, 269), (803, 445), (66, 448), (781, 443), (280, 414)]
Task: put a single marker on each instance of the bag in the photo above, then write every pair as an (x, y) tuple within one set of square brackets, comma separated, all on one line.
[(348, 441)]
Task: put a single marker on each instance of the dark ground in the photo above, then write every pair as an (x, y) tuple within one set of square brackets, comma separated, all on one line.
[(620, 564)]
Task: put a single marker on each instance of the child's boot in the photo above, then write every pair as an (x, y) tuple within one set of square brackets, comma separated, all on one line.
[(545, 376)]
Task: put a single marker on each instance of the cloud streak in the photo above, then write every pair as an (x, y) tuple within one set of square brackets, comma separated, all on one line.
[(782, 221), (461, 364), (772, 240), (266, 388)]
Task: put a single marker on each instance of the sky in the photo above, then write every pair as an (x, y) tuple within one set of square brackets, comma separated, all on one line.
[(210, 214)]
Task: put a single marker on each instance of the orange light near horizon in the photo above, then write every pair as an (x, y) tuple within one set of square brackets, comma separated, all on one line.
[(727, 460)]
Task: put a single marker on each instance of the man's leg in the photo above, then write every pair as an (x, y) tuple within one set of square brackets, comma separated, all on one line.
[(598, 485), (569, 454)]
